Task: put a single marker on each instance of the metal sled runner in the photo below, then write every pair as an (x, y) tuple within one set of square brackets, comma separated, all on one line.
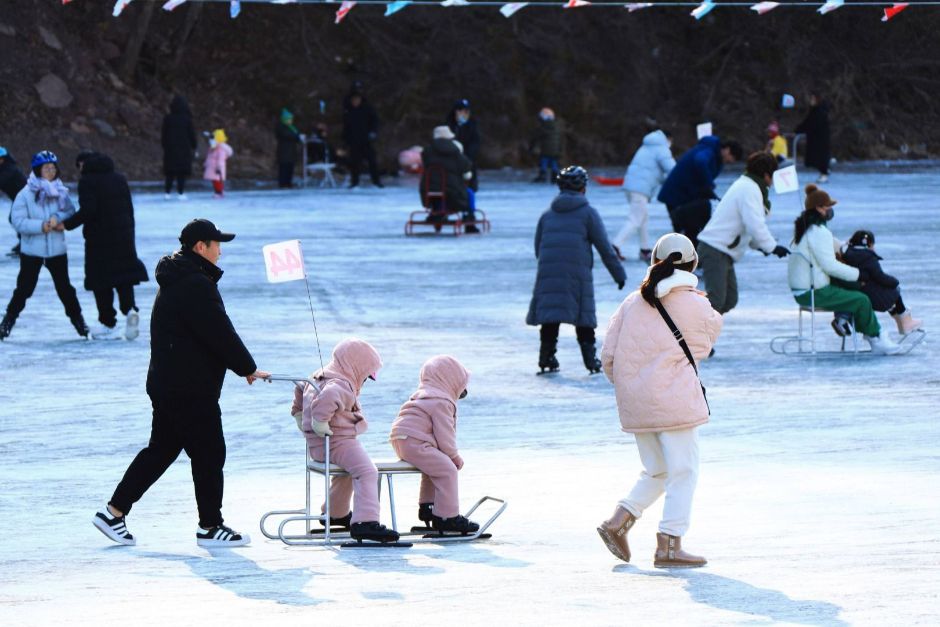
[(436, 215), (330, 537)]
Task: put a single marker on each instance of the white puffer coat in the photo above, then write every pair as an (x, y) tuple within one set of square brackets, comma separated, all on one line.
[(650, 166), (818, 247)]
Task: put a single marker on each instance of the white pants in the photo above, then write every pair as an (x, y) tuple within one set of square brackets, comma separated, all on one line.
[(670, 465), (636, 221)]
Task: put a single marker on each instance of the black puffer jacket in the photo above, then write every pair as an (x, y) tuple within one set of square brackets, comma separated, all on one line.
[(360, 124), (178, 138), (106, 210), (11, 178), (192, 340), (443, 154), (881, 288)]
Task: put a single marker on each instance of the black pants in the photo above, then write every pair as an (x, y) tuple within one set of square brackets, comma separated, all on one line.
[(104, 299), (28, 277), (358, 152), (180, 424), (285, 174), (690, 218), (549, 333), (180, 183)]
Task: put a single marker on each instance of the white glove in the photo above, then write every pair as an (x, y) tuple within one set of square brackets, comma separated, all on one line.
[(321, 428), (299, 417)]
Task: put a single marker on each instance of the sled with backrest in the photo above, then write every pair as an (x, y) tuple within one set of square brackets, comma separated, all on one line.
[(288, 521), (436, 214)]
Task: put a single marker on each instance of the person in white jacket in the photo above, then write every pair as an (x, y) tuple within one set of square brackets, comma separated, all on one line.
[(651, 164), (814, 261), (738, 223)]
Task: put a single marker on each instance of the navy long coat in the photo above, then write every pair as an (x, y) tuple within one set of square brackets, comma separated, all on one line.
[(564, 284)]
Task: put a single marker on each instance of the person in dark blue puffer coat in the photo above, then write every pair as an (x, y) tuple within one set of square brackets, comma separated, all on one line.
[(564, 283)]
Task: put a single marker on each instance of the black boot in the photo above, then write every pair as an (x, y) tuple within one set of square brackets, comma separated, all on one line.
[(547, 360), (374, 531), (541, 178), (6, 326), (458, 523), (589, 354), (79, 323), (426, 515), (342, 522)]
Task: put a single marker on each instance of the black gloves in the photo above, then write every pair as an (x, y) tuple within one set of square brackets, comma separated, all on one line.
[(620, 285), (780, 251)]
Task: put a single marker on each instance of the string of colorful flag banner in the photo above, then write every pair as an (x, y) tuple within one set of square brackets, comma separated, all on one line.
[(700, 9)]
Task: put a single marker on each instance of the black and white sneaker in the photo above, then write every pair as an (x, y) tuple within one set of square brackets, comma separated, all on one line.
[(114, 527), (220, 536)]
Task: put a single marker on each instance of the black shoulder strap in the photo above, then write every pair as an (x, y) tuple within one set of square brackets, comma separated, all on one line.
[(677, 334)]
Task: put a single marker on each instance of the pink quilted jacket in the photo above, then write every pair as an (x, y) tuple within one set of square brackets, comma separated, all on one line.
[(656, 388), (430, 415), (340, 382)]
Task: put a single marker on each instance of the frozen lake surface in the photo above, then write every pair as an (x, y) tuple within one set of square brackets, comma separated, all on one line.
[(818, 496)]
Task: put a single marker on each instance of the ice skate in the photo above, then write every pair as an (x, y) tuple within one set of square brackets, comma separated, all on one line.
[(589, 354), (882, 344), (6, 326), (669, 554), (114, 527), (336, 524), (80, 327), (182, 197), (548, 363), (426, 515), (373, 531), (823, 178), (167, 196), (907, 323), (471, 228), (102, 332), (131, 325), (456, 524), (842, 325), (220, 536), (613, 532)]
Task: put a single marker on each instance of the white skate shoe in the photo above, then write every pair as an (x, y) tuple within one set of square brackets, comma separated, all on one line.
[(131, 325), (882, 345)]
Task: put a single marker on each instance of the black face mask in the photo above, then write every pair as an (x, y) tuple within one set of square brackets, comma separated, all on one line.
[(830, 214), (463, 394)]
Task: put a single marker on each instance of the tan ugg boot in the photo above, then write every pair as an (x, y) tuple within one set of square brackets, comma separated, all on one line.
[(613, 532), (669, 554), (907, 323)]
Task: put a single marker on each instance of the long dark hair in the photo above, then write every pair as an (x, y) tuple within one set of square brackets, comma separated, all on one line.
[(862, 238), (662, 269), (808, 218)]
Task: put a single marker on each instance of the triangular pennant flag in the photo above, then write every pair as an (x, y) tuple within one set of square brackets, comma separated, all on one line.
[(283, 1), (636, 6), (574, 4), (703, 9), (454, 3), (344, 10), (509, 9), (66, 1), (172, 4), (119, 6), (897, 8), (764, 7), (395, 7), (234, 8), (830, 6)]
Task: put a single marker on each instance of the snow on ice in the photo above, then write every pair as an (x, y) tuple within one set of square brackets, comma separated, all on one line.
[(817, 502)]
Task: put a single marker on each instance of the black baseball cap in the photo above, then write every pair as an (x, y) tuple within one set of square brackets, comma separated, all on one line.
[(202, 230)]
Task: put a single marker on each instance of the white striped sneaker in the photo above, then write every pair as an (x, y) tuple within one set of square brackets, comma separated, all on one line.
[(220, 536), (131, 325), (114, 527)]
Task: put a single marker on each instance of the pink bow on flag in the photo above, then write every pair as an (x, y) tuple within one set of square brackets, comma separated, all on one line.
[(636, 6), (344, 10), (830, 6), (703, 9), (764, 7), (172, 4), (897, 8), (574, 4), (509, 9)]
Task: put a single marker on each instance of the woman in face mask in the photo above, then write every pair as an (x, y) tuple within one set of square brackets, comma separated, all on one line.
[(810, 271)]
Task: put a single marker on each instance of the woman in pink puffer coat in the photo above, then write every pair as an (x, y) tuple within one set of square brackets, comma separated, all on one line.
[(660, 397), (425, 435), (334, 411)]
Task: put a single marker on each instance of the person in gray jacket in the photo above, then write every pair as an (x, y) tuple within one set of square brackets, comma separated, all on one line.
[(651, 164), (564, 282)]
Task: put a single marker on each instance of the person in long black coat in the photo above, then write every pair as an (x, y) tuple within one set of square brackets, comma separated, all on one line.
[(192, 344), (443, 155), (106, 215), (360, 130), (564, 283), (178, 138), (287, 137), (12, 181), (816, 128), (467, 132)]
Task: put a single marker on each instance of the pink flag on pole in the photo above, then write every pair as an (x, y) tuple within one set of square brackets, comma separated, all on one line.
[(172, 4), (574, 4), (509, 9), (764, 7), (636, 6), (897, 8), (344, 10)]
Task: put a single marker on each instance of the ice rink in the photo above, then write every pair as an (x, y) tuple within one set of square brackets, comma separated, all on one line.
[(817, 501)]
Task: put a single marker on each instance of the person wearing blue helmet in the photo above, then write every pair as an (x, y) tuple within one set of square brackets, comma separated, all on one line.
[(11, 182), (38, 214)]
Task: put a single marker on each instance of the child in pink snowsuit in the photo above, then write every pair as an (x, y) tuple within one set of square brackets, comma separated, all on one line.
[(335, 411), (219, 153), (425, 435)]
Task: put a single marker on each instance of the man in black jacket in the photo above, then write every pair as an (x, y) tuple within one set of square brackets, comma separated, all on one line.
[(360, 130), (106, 214), (467, 133), (11, 182), (192, 343)]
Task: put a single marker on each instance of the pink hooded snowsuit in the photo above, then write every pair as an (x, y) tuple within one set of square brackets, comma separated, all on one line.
[(425, 432), (215, 162), (337, 403)]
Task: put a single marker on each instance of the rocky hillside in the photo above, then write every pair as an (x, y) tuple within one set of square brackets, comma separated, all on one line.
[(70, 77)]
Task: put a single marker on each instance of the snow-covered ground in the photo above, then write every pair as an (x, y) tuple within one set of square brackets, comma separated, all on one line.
[(817, 502)]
